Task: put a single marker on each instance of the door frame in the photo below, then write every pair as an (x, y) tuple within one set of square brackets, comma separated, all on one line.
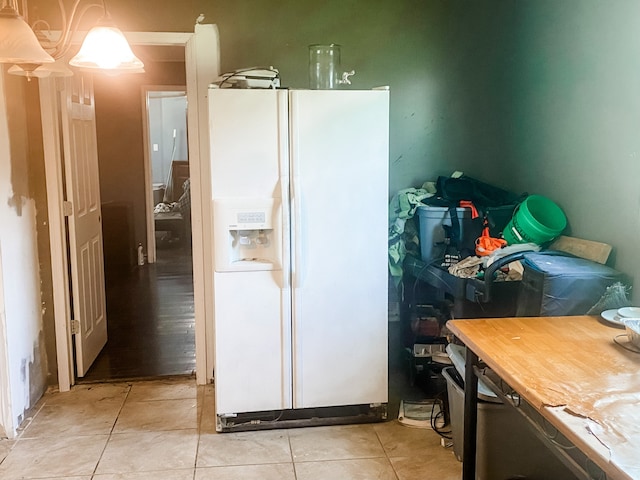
[(201, 70), (148, 171), (52, 145)]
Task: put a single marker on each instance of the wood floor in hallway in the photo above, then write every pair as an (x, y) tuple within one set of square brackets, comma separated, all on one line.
[(150, 319)]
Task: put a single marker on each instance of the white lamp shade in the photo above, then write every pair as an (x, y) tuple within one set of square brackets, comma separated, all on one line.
[(56, 69), (105, 48), (18, 43)]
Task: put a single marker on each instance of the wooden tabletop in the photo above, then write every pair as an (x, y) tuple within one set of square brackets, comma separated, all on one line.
[(569, 367)]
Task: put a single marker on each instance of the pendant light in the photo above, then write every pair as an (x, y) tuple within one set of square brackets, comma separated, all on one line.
[(18, 43), (106, 48)]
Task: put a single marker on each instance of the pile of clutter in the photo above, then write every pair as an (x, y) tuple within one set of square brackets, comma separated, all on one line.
[(474, 266), (465, 225)]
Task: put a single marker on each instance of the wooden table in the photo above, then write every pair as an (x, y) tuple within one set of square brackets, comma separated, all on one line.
[(570, 371)]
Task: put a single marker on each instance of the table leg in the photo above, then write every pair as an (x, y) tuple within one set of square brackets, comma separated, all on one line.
[(470, 417)]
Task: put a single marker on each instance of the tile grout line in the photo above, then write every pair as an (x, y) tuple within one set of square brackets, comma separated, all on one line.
[(199, 428), (293, 463), (129, 385), (386, 454)]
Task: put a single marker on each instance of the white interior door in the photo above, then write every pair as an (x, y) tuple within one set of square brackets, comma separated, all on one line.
[(85, 221)]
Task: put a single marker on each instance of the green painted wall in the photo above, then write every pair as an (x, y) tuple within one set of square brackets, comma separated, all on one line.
[(539, 96), (545, 98)]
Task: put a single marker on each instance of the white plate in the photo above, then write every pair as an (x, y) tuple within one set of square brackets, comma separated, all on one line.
[(612, 317), (629, 312)]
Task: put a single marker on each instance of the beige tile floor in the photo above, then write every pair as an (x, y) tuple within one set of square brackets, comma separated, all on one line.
[(165, 429)]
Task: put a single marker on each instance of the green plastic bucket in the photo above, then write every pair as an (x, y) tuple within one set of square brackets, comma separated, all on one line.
[(536, 220)]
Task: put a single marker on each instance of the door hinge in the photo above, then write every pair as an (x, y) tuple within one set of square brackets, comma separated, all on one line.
[(75, 327), (67, 208)]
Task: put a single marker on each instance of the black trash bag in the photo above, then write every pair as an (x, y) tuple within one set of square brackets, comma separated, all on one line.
[(481, 194)]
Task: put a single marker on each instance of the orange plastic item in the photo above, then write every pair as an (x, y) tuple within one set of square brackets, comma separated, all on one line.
[(486, 244), (469, 204)]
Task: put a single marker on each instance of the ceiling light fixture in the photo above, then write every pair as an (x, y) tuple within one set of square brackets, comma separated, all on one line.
[(104, 48)]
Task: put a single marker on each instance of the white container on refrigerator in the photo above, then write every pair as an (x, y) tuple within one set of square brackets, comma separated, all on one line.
[(305, 325)]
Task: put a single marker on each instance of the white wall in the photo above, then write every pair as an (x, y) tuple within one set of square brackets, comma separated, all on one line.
[(167, 114), (21, 289), (174, 117)]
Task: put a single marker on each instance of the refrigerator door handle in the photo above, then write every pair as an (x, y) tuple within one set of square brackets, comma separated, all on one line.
[(286, 247), (297, 238), (285, 240), (285, 187)]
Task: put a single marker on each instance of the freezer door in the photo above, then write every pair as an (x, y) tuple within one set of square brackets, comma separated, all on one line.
[(252, 295), (339, 169)]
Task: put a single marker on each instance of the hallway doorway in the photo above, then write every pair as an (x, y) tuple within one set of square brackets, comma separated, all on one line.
[(201, 64), (150, 303)]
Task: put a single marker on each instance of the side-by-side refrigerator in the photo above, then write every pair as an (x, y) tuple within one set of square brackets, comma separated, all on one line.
[(300, 193)]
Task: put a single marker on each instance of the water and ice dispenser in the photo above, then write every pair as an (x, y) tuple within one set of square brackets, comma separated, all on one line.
[(247, 234)]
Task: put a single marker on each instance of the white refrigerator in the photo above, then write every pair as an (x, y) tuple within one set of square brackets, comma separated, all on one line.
[(300, 195)]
